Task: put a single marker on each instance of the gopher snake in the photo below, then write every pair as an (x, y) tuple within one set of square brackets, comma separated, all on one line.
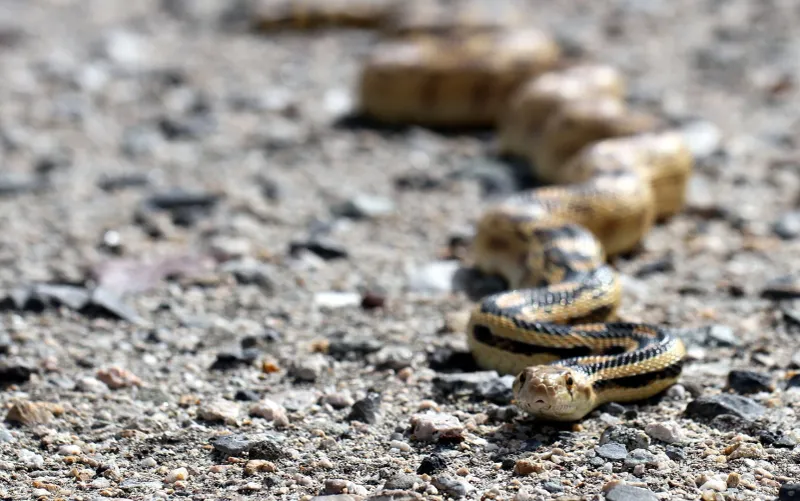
[(616, 172)]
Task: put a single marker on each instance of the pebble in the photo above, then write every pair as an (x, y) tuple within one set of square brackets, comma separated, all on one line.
[(338, 400), (366, 410), (631, 438), (251, 272), (623, 492), (393, 357), (481, 385), (553, 487), (33, 413), (118, 377), (227, 360), (68, 450), (364, 206), (321, 247), (255, 466), (744, 450), (267, 449), (702, 137), (404, 481), (787, 287), (612, 451), (335, 299), (233, 445), (340, 486), (790, 491), (640, 457), (5, 436), (747, 382), (271, 411), (30, 459), (309, 368), (353, 347), (714, 484), (125, 49), (788, 225), (219, 410), (436, 426), (176, 475), (667, 431), (15, 372), (675, 453), (714, 405), (452, 487), (435, 277), (432, 464)]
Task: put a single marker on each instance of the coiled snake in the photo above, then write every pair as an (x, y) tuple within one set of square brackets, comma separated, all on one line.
[(614, 171)]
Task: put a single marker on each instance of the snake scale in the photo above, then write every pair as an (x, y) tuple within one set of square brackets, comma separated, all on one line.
[(612, 172)]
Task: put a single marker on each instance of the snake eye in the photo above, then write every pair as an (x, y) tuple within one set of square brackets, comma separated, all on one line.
[(570, 381)]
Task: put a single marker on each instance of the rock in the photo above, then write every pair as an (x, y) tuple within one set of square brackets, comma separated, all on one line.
[(392, 357), (662, 265), (125, 49), (494, 178), (483, 385), (255, 466), (271, 411), (715, 405), (711, 336), (31, 460), (553, 487), (702, 137), (366, 410), (219, 410), (5, 343), (106, 303), (744, 450), (364, 206), (5, 436), (110, 183), (338, 103), (788, 225), (252, 272), (640, 457), (118, 377), (233, 445), (373, 299), (72, 297), (353, 347), (336, 299), (436, 427), (15, 372), (228, 360), (790, 491), (631, 438), (309, 368), (339, 400), (339, 486), (418, 181), (396, 495), (675, 453), (269, 450), (246, 396), (667, 431), (787, 287), (747, 382), (435, 277), (30, 413), (176, 475), (452, 487), (403, 481), (16, 184), (776, 439), (612, 451), (225, 248), (622, 492), (322, 247)]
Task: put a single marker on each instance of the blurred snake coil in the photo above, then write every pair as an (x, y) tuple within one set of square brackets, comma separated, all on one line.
[(611, 173)]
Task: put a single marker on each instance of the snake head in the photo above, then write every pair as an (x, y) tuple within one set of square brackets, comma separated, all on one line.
[(554, 393)]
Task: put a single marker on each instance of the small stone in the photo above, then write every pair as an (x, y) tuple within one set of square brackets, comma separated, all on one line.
[(553, 487), (324, 248), (5, 436), (105, 302), (789, 491), (702, 137), (271, 411), (733, 480), (15, 372), (787, 287), (481, 385), (338, 400), (335, 299), (232, 445), (353, 347), (33, 413), (219, 410), (269, 450), (365, 206), (436, 426), (118, 377), (30, 459), (640, 457), (744, 450), (176, 475), (227, 360), (747, 382), (675, 453), (714, 484), (715, 405), (622, 492), (451, 487), (393, 357), (111, 183), (68, 450), (340, 486), (612, 451), (225, 248), (255, 466), (366, 410), (251, 272), (92, 385), (631, 438), (435, 277), (309, 368), (403, 481), (788, 225), (667, 431), (126, 49), (432, 464)]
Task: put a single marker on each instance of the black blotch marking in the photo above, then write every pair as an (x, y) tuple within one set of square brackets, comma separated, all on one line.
[(484, 335), (640, 380)]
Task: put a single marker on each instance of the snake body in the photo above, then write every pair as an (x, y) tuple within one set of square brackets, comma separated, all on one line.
[(614, 172)]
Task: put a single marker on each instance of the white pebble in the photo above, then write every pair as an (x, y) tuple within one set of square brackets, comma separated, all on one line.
[(148, 462), (176, 475), (400, 445), (668, 431), (69, 450)]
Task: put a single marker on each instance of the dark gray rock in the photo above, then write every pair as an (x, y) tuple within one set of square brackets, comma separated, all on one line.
[(322, 247), (451, 486), (622, 492), (788, 225), (789, 491), (233, 445), (483, 385), (431, 464), (747, 382), (706, 407), (675, 453), (631, 438), (640, 456), (553, 487), (15, 372), (353, 347), (366, 410), (402, 481), (787, 287), (251, 272), (267, 449)]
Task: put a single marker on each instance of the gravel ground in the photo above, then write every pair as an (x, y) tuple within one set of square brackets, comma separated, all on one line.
[(214, 290)]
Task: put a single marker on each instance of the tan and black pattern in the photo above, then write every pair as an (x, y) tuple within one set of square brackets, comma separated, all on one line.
[(614, 172)]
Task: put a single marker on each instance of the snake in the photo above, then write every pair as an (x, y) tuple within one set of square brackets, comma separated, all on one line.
[(610, 172)]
